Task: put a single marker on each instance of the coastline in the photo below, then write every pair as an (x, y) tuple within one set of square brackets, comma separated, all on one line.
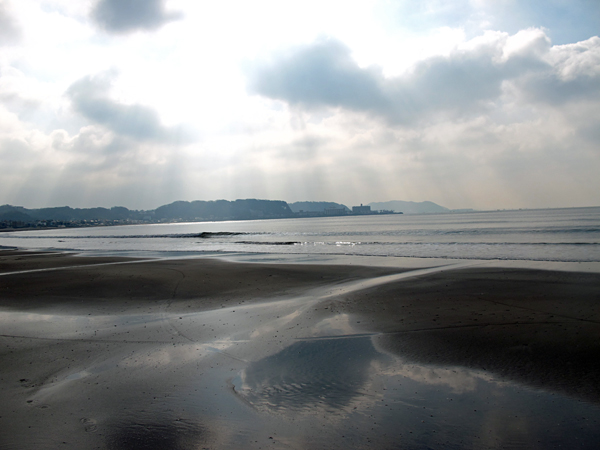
[(92, 346)]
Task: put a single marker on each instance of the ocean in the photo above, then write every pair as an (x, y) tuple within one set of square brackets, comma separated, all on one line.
[(564, 235)]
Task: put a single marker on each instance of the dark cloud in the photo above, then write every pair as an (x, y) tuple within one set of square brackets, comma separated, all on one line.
[(318, 75), (125, 16), (458, 84), (324, 74), (464, 83), (90, 97), (9, 30), (551, 89)]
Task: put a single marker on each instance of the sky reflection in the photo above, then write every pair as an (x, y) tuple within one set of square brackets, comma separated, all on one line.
[(359, 391), (220, 379)]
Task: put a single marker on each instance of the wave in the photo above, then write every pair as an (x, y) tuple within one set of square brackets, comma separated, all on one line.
[(203, 235), (225, 234), (268, 243), (433, 243), (479, 257), (208, 234), (458, 232)]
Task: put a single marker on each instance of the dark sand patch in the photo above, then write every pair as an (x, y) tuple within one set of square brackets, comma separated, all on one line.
[(200, 284), (537, 327)]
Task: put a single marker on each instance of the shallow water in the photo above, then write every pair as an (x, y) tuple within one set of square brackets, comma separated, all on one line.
[(570, 234), (371, 397)]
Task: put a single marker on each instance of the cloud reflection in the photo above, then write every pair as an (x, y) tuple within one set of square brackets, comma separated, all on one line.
[(310, 375)]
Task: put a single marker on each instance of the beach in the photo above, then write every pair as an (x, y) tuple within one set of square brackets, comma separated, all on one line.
[(125, 352)]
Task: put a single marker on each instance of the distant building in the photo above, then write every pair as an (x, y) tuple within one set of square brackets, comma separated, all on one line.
[(361, 209), (335, 212)]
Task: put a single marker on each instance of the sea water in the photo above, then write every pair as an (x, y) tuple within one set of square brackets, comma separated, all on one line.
[(570, 234)]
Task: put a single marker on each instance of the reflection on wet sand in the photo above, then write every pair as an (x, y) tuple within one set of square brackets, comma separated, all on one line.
[(325, 367), (310, 376), (359, 391)]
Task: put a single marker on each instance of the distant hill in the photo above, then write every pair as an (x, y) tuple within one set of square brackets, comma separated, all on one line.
[(409, 207), (315, 206), (224, 210), (66, 213), (194, 211), (8, 212), (177, 211)]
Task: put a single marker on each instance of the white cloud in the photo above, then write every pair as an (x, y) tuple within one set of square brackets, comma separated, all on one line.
[(467, 81), (90, 97), (399, 103), (10, 32)]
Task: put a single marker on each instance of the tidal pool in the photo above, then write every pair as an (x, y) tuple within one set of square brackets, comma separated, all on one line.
[(358, 394), (276, 375)]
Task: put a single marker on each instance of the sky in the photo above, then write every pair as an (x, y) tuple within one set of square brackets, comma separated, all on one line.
[(484, 104)]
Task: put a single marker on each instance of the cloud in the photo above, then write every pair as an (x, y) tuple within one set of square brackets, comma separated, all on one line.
[(92, 167), (465, 83), (17, 93), (484, 119), (323, 74), (125, 16), (90, 97), (574, 75), (9, 30)]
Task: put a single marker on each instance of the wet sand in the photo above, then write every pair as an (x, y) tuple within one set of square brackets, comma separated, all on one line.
[(123, 353)]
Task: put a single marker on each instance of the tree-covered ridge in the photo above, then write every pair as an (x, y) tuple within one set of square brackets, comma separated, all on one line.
[(224, 210), (180, 210), (198, 210)]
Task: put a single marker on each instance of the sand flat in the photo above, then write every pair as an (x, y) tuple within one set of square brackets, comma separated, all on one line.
[(203, 353)]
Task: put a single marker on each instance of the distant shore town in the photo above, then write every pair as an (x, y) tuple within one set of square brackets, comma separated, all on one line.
[(19, 218), (356, 211)]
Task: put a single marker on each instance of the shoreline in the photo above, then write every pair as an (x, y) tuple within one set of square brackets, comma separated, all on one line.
[(401, 262), (90, 345)]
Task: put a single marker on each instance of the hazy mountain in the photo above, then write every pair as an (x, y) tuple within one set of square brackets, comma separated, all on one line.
[(201, 210), (315, 206), (181, 210), (224, 210), (409, 207), (8, 212), (66, 213)]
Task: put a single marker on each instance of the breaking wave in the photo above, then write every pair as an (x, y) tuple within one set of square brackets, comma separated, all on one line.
[(203, 235)]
